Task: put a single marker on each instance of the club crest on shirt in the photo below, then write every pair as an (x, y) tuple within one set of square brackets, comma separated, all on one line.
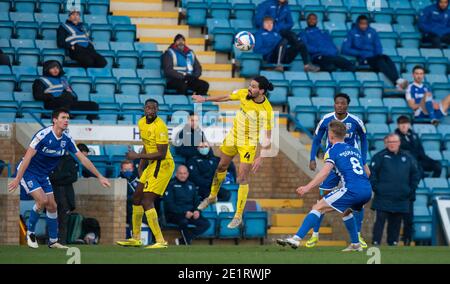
[(403, 159), (348, 125), (63, 144), (30, 183)]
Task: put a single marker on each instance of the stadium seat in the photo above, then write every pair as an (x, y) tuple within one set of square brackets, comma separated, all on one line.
[(431, 141), (343, 76), (153, 86), (6, 29), (101, 32), (27, 30), (130, 86), (351, 88), (7, 83), (48, 30), (431, 52), (436, 78), (255, 224), (306, 116), (243, 11), (81, 85), (211, 24), (337, 14), (115, 20), (24, 70), (411, 61), (125, 33), (120, 45), (301, 88), (272, 75), (394, 102), (99, 72), (150, 60), (224, 219), (377, 128), (316, 101), (438, 65), (5, 70), (111, 150), (179, 117), (223, 39), (74, 71), (50, 6), (220, 10), (366, 76), (326, 88), (410, 39), (334, 26), (377, 114), (279, 95), (145, 46), (373, 89), (98, 7), (371, 102), (250, 63), (424, 128), (196, 14), (440, 90), (28, 56), (4, 16), (26, 83), (388, 39), (105, 87), (22, 16), (24, 43), (175, 99)]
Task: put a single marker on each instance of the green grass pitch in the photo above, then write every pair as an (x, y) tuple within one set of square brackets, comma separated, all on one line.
[(222, 254)]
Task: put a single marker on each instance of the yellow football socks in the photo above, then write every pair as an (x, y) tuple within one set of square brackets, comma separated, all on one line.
[(138, 213), (242, 199), (152, 218), (217, 182)]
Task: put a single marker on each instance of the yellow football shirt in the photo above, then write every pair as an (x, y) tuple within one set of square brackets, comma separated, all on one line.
[(251, 118), (154, 133)]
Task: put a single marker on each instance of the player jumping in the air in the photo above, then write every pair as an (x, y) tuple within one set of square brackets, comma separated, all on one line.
[(346, 162), (255, 113), (42, 156), (355, 128)]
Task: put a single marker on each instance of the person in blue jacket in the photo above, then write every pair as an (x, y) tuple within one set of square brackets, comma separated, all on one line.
[(278, 50), (434, 23), (363, 42), (322, 49), (279, 11)]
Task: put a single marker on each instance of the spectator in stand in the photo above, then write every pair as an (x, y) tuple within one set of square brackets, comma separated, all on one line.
[(278, 50), (182, 68), (279, 11), (129, 173), (394, 178), (181, 200), (410, 142), (4, 59), (54, 90), (434, 23), (73, 37), (189, 137), (364, 43), (202, 168), (322, 49), (62, 178), (420, 99)]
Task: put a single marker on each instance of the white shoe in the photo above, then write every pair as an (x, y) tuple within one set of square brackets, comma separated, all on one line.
[(293, 241), (401, 84), (206, 202), (31, 240), (57, 245), (236, 222), (353, 247)]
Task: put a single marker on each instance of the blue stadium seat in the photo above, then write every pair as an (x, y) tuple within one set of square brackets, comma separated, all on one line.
[(384, 16), (105, 87), (388, 39), (354, 3), (7, 83), (220, 10), (130, 86), (150, 59), (101, 32), (431, 52), (116, 46), (431, 141), (124, 73), (179, 117), (223, 39), (405, 16), (49, 44), (27, 30), (373, 89), (306, 116), (402, 28), (6, 29), (410, 39), (301, 88), (325, 88), (115, 20), (411, 61), (5, 70), (440, 90), (211, 24), (224, 219), (334, 26), (394, 102), (319, 76), (26, 83), (436, 78), (4, 16), (50, 6), (5, 6), (74, 71), (23, 96), (127, 98), (279, 95), (337, 14), (366, 76), (196, 14), (377, 128), (175, 99), (272, 75), (24, 43), (438, 65), (99, 72), (295, 75), (145, 46), (153, 86), (424, 128), (28, 56), (111, 150), (101, 45), (377, 114), (127, 59), (22, 16), (98, 7), (316, 101), (125, 33), (81, 85), (250, 64), (24, 70), (158, 98), (343, 76), (351, 88), (255, 224), (371, 102), (244, 11), (48, 30), (212, 230)]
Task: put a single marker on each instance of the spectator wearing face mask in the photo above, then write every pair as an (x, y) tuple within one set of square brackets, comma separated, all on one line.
[(202, 168), (182, 68), (128, 172)]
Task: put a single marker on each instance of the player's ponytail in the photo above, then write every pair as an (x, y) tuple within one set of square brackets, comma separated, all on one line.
[(264, 83)]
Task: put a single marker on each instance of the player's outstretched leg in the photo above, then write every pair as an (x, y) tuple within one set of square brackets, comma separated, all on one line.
[(350, 224), (244, 171), (219, 177), (136, 219), (309, 222), (40, 198), (359, 217), (312, 242)]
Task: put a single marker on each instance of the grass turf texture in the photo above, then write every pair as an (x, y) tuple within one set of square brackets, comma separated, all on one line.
[(270, 254)]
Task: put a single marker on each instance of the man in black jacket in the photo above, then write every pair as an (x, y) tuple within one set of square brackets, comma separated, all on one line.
[(189, 137), (394, 181), (54, 90), (182, 68), (73, 37), (62, 179), (410, 142), (202, 168), (181, 201)]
